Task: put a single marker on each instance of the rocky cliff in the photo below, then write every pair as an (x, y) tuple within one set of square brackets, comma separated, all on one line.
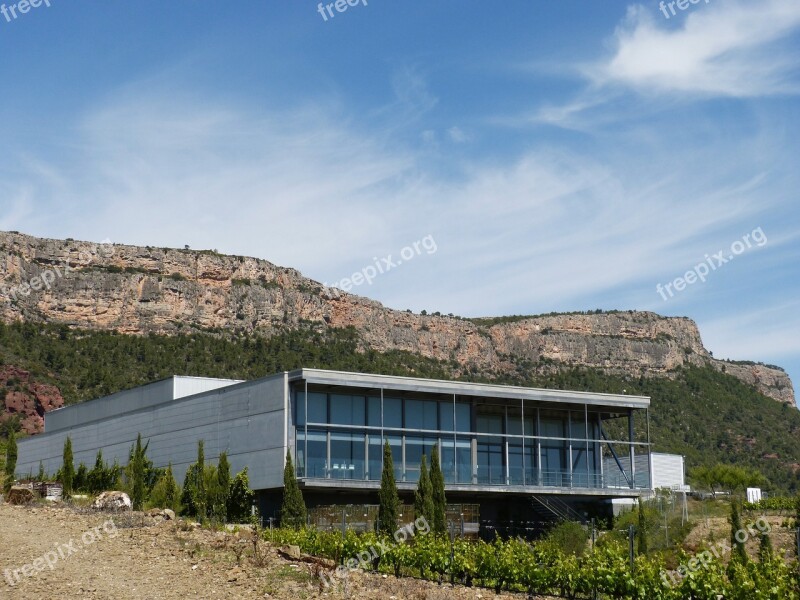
[(137, 290), (26, 399)]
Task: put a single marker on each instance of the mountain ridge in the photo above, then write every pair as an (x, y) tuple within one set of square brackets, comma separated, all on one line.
[(137, 290)]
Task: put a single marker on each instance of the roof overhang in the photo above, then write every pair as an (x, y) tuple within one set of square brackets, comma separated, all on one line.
[(485, 390)]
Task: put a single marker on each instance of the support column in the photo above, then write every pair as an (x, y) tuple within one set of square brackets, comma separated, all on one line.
[(632, 451)]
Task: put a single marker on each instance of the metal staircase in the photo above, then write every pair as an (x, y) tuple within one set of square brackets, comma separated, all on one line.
[(552, 506)]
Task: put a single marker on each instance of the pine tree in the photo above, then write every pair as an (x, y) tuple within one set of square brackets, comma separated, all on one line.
[(67, 469), (439, 524), (389, 507), (11, 460), (641, 530), (736, 526), (223, 487), (293, 509), (423, 497)]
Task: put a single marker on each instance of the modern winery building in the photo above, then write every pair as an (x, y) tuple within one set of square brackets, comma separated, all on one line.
[(513, 451)]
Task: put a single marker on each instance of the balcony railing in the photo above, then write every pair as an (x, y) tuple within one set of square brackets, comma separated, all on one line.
[(486, 476)]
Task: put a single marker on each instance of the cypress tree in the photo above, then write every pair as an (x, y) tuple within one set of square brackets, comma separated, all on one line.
[(201, 494), (764, 547), (67, 469), (389, 501), (136, 472), (173, 493), (223, 487), (736, 525), (641, 530), (293, 509), (11, 460), (439, 524), (423, 497)]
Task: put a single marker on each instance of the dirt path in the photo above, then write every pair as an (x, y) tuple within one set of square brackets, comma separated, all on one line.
[(164, 561)]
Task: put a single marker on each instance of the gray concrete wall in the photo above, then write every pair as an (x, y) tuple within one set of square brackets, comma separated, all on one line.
[(247, 420)]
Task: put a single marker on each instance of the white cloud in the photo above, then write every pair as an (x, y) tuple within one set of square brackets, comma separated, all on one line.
[(721, 48)]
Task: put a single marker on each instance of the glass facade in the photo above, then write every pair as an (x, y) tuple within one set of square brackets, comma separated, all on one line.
[(481, 441)]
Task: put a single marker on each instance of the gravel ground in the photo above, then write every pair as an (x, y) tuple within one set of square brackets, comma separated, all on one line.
[(93, 557)]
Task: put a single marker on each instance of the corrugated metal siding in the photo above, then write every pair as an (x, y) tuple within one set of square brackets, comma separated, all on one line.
[(667, 470), (247, 421), (131, 400)]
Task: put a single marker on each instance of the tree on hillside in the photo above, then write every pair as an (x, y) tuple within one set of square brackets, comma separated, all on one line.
[(67, 469), (423, 497), (389, 501), (11, 460), (729, 478), (439, 524), (293, 508)]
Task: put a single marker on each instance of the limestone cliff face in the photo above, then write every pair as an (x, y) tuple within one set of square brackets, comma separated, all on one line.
[(137, 290)]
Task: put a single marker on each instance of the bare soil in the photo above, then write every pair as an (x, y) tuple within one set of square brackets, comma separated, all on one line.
[(135, 559)]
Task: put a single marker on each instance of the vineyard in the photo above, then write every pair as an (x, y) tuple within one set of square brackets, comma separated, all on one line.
[(543, 569)]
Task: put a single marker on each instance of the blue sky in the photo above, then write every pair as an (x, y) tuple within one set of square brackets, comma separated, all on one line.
[(564, 155)]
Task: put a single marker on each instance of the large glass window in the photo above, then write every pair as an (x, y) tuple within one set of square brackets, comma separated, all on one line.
[(463, 460), (446, 416), (416, 446), (375, 463), (317, 408), (491, 468), (396, 444), (393, 413), (463, 417), (448, 462), (347, 455), (422, 414), (313, 464), (374, 411), (347, 410)]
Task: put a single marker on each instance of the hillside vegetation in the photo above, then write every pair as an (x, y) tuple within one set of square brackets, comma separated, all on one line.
[(708, 416)]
